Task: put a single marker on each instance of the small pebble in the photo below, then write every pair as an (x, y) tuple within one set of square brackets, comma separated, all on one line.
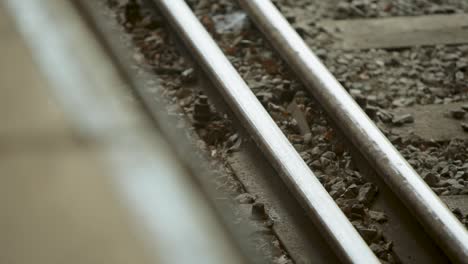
[(431, 179), (283, 260), (403, 119), (367, 193), (245, 198), (457, 114), (369, 234), (188, 76), (464, 126), (259, 212), (377, 216)]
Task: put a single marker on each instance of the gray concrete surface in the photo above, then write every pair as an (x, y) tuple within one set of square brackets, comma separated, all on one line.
[(433, 122), (397, 32)]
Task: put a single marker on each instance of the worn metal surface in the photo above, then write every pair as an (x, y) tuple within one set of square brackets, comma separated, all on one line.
[(437, 219), (167, 211), (321, 207), (397, 32)]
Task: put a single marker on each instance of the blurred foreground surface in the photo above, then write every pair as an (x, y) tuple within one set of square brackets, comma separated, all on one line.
[(56, 203), (86, 175)]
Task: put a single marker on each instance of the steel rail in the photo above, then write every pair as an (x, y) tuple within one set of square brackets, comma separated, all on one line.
[(339, 232), (432, 213)]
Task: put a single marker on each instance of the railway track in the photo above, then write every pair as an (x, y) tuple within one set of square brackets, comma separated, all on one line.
[(397, 173), (436, 234)]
